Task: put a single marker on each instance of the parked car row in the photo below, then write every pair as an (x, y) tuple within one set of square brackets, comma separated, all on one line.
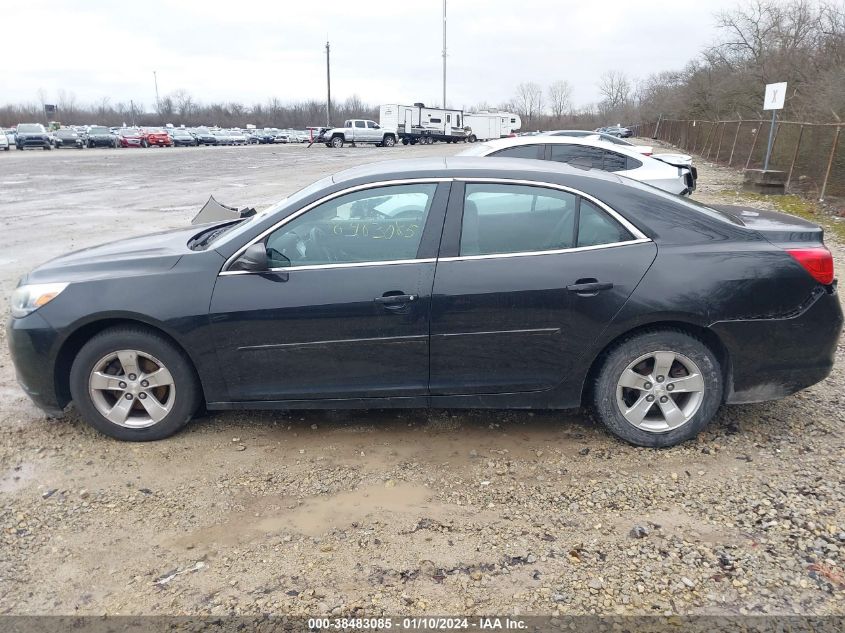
[(35, 135)]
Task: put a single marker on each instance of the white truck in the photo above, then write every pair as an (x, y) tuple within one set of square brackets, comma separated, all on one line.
[(419, 124), (490, 124), (360, 131)]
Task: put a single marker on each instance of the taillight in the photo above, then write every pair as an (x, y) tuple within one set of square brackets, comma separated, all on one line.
[(646, 153), (816, 261)]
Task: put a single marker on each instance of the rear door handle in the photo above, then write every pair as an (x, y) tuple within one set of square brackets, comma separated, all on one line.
[(395, 302), (589, 287)]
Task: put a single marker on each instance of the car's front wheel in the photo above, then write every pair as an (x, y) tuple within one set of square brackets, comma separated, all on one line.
[(337, 142), (133, 384), (658, 388)]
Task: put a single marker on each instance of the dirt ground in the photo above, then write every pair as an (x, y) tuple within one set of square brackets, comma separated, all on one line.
[(378, 512)]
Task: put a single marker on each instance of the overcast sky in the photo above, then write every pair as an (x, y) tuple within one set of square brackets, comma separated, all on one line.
[(383, 51)]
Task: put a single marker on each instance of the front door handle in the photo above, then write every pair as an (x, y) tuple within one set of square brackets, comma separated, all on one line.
[(395, 301), (589, 287)]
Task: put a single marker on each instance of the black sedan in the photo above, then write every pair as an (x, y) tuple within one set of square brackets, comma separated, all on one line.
[(100, 136), (439, 283), (68, 137), (183, 138)]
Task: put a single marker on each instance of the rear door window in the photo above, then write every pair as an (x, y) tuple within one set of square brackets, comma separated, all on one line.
[(516, 219)]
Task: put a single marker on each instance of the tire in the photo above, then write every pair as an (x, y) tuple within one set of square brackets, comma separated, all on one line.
[(405, 141), (144, 144), (47, 148), (152, 349), (337, 142), (472, 138), (389, 141), (690, 410)]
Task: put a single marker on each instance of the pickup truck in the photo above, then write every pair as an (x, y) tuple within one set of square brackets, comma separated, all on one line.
[(360, 131)]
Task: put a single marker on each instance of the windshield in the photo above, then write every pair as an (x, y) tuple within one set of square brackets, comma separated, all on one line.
[(129, 131), (240, 228), (99, 130), (30, 128)]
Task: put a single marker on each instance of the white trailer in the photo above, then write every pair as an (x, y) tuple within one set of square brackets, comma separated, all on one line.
[(490, 124), (419, 124)]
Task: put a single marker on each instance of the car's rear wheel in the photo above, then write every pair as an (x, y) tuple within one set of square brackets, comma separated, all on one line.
[(658, 388), (388, 141), (133, 384)]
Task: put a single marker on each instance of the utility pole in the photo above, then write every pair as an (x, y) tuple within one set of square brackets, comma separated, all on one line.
[(444, 54), (158, 103), (328, 87)]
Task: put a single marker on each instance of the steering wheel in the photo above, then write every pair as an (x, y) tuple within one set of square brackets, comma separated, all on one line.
[(316, 240)]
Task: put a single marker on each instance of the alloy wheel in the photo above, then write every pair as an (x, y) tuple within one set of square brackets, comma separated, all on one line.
[(660, 391), (132, 389)]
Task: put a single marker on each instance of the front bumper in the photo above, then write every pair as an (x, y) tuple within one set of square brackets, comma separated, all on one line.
[(775, 357), (33, 142), (31, 343), (101, 142)]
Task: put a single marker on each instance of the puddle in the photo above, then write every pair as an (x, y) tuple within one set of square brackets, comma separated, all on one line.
[(17, 477), (319, 514)]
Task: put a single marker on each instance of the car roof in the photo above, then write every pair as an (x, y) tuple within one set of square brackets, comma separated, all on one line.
[(503, 143), (470, 167)]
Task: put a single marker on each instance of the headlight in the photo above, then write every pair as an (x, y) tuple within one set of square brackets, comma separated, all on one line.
[(27, 299)]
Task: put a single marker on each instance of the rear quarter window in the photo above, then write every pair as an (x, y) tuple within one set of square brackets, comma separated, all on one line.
[(520, 151)]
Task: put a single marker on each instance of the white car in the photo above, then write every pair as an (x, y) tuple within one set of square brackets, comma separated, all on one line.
[(588, 153), (238, 137), (4, 141)]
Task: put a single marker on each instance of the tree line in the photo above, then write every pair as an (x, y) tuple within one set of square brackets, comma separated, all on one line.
[(801, 42)]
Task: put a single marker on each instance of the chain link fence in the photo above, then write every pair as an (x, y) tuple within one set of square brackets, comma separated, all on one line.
[(811, 154)]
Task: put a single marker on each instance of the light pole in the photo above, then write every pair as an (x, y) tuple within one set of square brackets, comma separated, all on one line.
[(444, 53), (158, 103), (328, 88)]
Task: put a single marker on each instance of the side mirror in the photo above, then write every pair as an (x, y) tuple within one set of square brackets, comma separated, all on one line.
[(254, 259)]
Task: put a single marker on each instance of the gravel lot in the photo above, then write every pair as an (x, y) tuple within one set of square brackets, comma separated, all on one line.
[(384, 512)]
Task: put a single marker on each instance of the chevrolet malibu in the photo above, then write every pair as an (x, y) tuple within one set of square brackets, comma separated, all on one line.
[(456, 282)]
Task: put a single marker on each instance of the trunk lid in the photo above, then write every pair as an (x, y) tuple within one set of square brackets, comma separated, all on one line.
[(778, 228)]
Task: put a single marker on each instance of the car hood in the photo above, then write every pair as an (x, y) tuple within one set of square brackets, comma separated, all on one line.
[(134, 256)]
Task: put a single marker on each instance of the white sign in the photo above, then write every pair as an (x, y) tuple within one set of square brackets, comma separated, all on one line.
[(775, 94)]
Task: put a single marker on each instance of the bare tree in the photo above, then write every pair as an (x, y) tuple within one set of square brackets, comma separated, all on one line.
[(183, 102), (560, 98), (528, 101), (615, 89)]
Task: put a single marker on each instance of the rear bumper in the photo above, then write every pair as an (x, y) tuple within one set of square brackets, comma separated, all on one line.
[(31, 343), (773, 358)]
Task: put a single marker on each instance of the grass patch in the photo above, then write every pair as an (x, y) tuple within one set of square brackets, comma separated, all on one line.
[(798, 206)]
